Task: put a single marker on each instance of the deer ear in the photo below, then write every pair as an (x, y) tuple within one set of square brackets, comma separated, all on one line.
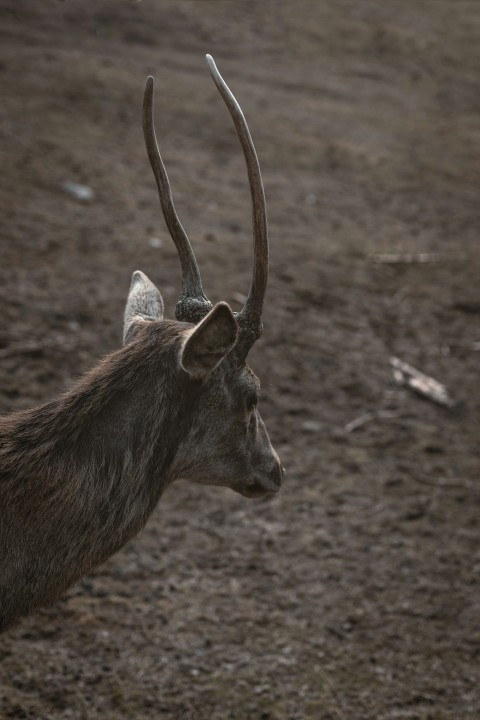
[(210, 341), (144, 303)]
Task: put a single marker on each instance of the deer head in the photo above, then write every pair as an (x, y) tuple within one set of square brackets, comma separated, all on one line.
[(224, 440)]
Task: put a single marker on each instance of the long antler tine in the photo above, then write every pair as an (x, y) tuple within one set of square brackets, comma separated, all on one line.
[(250, 317), (192, 305)]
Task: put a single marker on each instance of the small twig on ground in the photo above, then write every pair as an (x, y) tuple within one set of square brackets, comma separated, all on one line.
[(445, 484), (405, 374), (367, 417), (373, 510), (405, 258)]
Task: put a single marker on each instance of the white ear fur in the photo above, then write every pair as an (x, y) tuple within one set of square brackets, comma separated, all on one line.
[(144, 303), (209, 342)]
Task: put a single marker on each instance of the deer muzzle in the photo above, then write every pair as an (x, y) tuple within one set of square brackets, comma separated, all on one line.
[(264, 482)]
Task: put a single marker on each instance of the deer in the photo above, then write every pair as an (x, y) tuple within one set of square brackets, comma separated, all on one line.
[(81, 474)]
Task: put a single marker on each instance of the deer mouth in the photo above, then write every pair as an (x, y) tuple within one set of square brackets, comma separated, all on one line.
[(259, 488)]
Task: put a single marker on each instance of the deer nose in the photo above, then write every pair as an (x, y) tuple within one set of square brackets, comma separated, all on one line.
[(265, 481)]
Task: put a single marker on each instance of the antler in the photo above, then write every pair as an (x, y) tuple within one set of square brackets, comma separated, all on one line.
[(192, 304), (250, 317)]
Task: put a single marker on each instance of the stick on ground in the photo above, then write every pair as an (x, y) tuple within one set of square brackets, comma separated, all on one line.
[(405, 374)]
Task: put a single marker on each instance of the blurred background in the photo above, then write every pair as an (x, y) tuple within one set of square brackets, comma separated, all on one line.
[(354, 593)]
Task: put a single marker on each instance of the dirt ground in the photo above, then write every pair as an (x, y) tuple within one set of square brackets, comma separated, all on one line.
[(354, 594)]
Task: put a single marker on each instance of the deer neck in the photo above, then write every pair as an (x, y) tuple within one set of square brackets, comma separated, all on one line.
[(90, 465)]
